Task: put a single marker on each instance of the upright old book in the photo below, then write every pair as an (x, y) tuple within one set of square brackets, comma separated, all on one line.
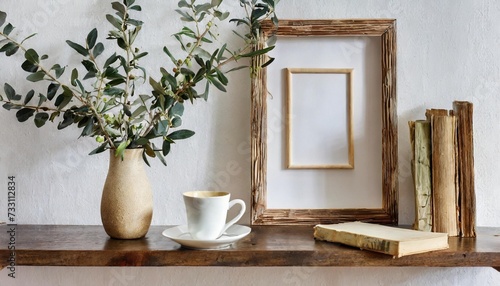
[(385, 239)]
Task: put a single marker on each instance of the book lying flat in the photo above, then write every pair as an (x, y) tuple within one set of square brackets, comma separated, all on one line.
[(385, 239)]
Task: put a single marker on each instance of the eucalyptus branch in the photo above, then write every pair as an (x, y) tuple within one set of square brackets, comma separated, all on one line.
[(106, 110), (44, 70)]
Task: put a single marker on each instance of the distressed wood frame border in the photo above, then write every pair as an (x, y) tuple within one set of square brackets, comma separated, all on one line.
[(289, 103), (388, 213)]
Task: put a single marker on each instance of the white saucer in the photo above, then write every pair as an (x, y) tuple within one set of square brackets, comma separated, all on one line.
[(181, 235)]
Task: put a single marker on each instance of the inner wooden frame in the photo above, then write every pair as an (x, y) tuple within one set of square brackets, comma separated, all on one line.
[(289, 127), (388, 213)]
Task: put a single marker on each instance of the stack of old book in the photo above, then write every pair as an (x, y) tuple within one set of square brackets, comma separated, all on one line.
[(443, 170)]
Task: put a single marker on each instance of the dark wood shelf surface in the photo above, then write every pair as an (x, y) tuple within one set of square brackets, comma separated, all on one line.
[(62, 245)]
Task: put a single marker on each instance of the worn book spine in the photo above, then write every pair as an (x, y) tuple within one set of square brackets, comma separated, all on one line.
[(444, 177), (422, 177), (357, 240), (465, 161), (435, 112)]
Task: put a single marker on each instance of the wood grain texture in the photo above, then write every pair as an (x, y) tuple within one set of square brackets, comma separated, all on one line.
[(465, 161), (422, 174), (388, 213), (59, 245), (444, 188)]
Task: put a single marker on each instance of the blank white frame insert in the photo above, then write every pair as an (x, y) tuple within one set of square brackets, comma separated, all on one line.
[(319, 131)]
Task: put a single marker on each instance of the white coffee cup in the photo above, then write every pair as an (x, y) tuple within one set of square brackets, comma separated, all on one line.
[(207, 212)]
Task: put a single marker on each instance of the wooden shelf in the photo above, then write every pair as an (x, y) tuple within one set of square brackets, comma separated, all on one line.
[(60, 245)]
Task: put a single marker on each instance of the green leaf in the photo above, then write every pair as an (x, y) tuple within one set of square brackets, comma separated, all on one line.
[(32, 56), (183, 4), (258, 52), (38, 76), (176, 122), (141, 55), (81, 50), (240, 22), (63, 99), (221, 52), (54, 115), (171, 80), (267, 63), (257, 13), (177, 109), (269, 2), (129, 2), (9, 91), (222, 78), (89, 75), (42, 99), (119, 7), (3, 17), (99, 48), (10, 106), (160, 156), (89, 66), (116, 82), (236, 68), (216, 3), (89, 127), (58, 70), (29, 96), (99, 149), (7, 47), (126, 110), (7, 29), (28, 37), (140, 110), (110, 60), (174, 61), (52, 90), (136, 8), (113, 91), (74, 76), (41, 118), (117, 23), (44, 57), (145, 159), (181, 134), (162, 128), (149, 151), (91, 38), (12, 51), (217, 84), (68, 119), (134, 22), (24, 114), (202, 7), (134, 34), (121, 148), (141, 141), (185, 16), (221, 16), (156, 86), (29, 67)]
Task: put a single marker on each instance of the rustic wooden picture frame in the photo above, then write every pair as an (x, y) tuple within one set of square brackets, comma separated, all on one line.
[(290, 164), (385, 29)]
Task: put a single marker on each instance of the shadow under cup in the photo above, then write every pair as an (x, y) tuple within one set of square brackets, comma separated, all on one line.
[(207, 211)]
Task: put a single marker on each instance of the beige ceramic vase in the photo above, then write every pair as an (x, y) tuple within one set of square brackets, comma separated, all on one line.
[(127, 200)]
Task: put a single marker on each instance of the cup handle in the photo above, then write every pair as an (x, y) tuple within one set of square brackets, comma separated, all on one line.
[(238, 217)]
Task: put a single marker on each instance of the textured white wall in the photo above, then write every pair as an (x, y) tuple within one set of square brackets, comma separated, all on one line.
[(447, 50)]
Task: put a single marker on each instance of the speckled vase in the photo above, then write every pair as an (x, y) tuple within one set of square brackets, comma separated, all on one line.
[(127, 200)]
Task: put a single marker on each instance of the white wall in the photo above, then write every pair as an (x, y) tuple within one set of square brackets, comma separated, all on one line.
[(447, 50)]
